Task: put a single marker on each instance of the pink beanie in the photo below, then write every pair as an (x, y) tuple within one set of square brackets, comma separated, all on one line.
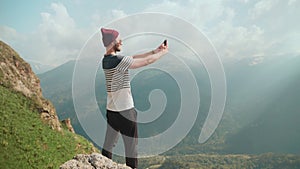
[(108, 36)]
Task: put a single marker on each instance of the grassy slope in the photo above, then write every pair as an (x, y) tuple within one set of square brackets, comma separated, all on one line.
[(26, 142)]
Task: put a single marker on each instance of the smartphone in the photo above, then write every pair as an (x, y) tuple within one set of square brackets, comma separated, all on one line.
[(165, 42)]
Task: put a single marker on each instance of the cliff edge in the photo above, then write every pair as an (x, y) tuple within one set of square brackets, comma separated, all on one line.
[(17, 74)]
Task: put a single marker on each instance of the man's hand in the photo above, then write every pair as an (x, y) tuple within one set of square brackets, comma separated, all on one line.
[(162, 48)]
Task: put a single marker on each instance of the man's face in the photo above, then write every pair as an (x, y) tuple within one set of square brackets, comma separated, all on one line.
[(118, 45)]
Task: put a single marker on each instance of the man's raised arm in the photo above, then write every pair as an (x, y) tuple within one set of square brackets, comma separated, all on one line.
[(149, 57)]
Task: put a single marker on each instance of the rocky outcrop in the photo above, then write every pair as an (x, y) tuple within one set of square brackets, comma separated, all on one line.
[(93, 161), (68, 124), (17, 74)]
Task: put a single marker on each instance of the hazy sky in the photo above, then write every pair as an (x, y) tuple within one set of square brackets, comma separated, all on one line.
[(53, 32)]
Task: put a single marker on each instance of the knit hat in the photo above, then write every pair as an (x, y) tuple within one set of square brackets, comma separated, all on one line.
[(108, 36)]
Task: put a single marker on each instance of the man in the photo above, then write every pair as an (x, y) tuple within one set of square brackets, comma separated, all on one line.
[(121, 114)]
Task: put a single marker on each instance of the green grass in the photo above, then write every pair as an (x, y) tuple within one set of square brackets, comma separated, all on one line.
[(26, 142)]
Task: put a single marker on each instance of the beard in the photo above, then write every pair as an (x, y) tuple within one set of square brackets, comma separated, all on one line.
[(116, 48)]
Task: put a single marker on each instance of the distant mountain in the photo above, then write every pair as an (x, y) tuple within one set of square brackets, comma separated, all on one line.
[(39, 68), (261, 113), (264, 100), (58, 80)]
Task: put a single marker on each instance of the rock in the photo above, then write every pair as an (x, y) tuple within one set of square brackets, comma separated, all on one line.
[(17, 74), (73, 164), (93, 161), (68, 124)]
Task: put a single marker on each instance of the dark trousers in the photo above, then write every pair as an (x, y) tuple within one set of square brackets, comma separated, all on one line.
[(125, 123)]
